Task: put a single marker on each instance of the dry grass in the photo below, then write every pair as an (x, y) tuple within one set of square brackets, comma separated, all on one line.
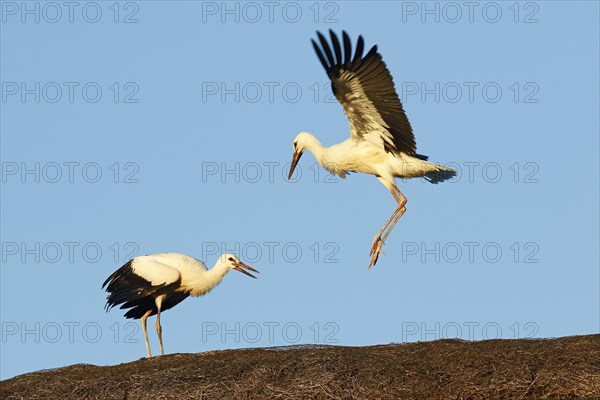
[(564, 368)]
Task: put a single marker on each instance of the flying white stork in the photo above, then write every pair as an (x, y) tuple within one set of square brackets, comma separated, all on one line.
[(381, 140), (156, 282)]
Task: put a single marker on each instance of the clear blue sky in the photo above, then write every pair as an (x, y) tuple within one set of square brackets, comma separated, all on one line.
[(171, 130)]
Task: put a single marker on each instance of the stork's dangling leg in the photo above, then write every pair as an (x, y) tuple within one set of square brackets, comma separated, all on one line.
[(143, 319), (158, 302), (402, 210), (377, 238), (379, 241)]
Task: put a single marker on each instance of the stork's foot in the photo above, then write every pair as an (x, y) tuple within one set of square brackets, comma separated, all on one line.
[(375, 250), (375, 243)]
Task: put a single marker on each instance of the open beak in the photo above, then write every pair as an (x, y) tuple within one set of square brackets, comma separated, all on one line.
[(240, 267), (295, 160)]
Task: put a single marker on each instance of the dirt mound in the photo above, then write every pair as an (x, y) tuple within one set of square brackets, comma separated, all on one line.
[(564, 368)]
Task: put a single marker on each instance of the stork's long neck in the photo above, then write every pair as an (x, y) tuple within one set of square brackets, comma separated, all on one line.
[(318, 150), (330, 158), (206, 280)]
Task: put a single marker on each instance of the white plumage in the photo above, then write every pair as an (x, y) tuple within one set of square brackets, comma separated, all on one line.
[(150, 284), (381, 140)]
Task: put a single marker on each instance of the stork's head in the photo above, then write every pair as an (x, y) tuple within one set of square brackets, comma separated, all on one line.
[(232, 262), (303, 141)]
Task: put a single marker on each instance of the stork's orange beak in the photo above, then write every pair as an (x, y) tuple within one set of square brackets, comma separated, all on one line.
[(240, 267), (295, 160)]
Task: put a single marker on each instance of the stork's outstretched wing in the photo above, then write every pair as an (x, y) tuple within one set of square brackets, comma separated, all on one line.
[(365, 89)]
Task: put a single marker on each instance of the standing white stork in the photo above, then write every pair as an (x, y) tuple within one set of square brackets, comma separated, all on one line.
[(156, 282), (381, 139)]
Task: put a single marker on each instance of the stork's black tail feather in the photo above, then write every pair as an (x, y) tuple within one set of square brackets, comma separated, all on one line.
[(128, 289), (440, 175), (118, 286), (125, 287)]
